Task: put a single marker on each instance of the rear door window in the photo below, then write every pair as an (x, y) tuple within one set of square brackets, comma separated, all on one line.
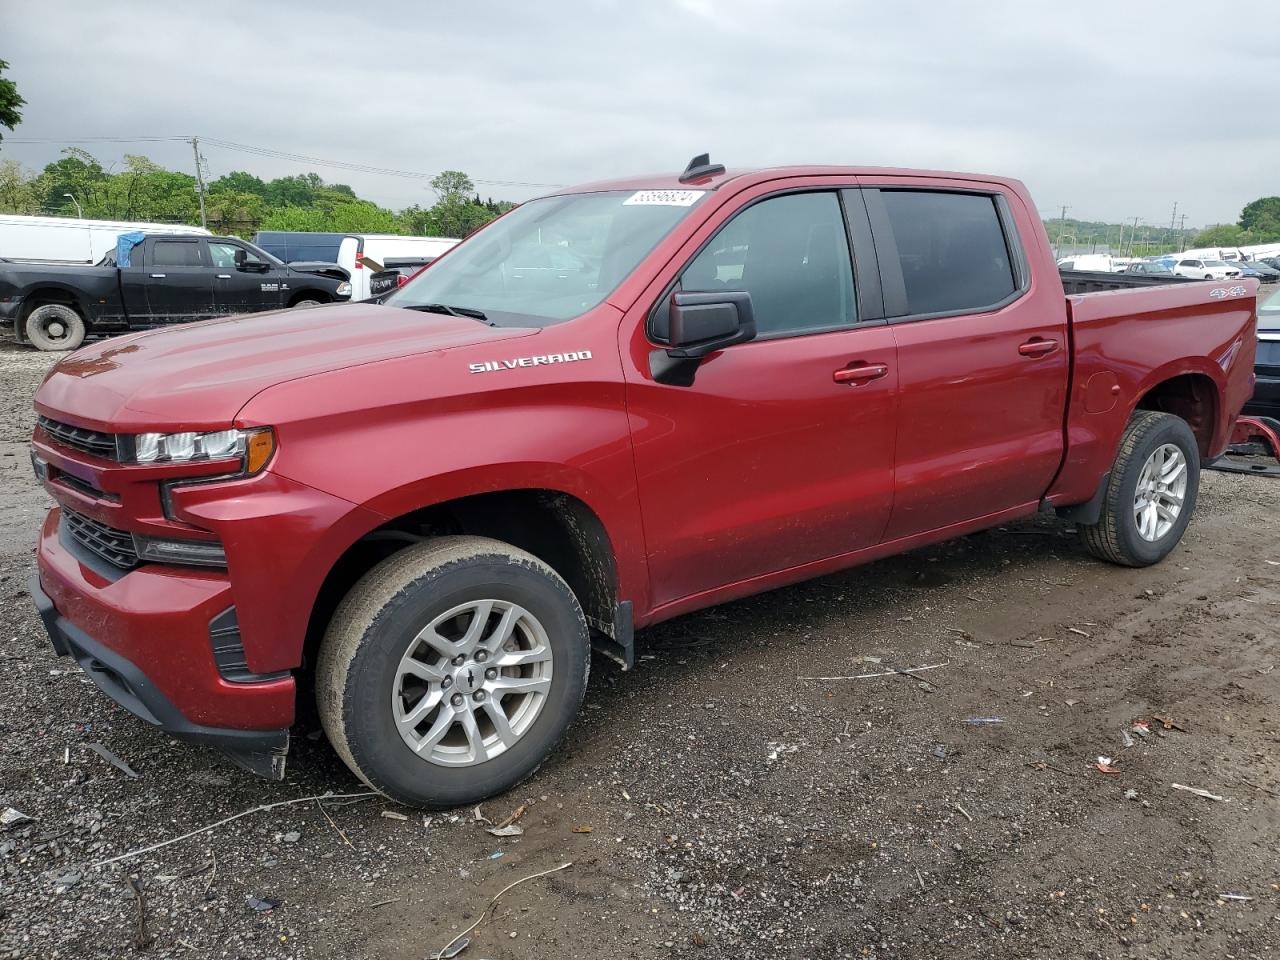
[(952, 249), (176, 253)]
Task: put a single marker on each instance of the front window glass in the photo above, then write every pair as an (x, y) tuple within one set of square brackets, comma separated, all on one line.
[(1269, 310), (791, 254), (550, 259), (223, 255)]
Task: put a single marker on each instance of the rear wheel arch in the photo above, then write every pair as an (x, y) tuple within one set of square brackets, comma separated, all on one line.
[(1194, 397)]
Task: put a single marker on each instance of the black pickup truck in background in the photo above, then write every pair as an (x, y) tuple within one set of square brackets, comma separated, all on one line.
[(168, 280)]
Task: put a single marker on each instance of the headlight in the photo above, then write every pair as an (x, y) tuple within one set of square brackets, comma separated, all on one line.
[(344, 289), (252, 447)]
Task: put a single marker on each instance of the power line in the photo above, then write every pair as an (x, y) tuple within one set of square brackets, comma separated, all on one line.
[(274, 154)]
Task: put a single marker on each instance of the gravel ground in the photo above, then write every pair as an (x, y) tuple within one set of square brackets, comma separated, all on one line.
[(735, 809)]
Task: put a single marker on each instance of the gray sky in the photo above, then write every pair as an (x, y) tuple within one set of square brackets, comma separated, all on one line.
[(1117, 109)]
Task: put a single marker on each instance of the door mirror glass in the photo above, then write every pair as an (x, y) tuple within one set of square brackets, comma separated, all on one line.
[(251, 265)]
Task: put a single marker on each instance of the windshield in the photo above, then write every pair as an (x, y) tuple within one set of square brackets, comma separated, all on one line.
[(262, 254), (550, 259), (1216, 263)]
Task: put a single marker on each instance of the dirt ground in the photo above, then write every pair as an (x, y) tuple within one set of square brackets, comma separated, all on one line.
[(736, 809)]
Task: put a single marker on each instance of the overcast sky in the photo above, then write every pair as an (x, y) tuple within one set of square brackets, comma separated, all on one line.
[(1117, 109)]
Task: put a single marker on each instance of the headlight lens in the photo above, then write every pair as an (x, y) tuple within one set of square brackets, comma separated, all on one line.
[(252, 447), (344, 289), (196, 553)]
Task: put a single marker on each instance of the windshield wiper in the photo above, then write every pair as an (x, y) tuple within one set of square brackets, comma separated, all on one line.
[(453, 311)]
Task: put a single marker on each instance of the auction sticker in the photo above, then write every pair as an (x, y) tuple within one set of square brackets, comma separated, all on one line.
[(664, 198)]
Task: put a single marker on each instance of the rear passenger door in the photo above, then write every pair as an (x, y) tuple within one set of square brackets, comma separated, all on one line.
[(179, 280), (983, 354)]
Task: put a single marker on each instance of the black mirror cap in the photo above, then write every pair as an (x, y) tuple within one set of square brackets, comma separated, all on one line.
[(701, 323)]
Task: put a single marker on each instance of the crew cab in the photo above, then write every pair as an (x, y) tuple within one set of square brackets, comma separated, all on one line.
[(161, 279), (423, 513)]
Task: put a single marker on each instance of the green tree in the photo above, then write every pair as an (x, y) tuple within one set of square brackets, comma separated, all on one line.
[(1222, 235), (452, 185), (78, 174), (10, 102), (1262, 218), (17, 194), (237, 181)]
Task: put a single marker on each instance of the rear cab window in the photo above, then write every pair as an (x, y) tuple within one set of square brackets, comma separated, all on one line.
[(176, 253)]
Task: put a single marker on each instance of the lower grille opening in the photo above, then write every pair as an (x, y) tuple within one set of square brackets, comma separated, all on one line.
[(228, 651), (112, 545)]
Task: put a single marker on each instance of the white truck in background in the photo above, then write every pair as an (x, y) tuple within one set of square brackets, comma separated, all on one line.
[(386, 251), (68, 240)]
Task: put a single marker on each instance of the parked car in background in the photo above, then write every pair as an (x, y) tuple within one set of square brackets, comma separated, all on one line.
[(1256, 269), (1205, 270), (1149, 268), (349, 251), (164, 279), (420, 515), (1272, 262), (395, 273), (1266, 392), (64, 240), (1093, 262)]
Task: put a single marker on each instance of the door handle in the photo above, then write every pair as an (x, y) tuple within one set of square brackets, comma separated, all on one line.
[(1038, 348), (157, 276), (860, 373), (223, 276)]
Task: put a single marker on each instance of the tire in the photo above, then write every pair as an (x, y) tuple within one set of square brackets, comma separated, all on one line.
[(55, 326), (1118, 535), (1208, 276), (307, 302), (363, 690)]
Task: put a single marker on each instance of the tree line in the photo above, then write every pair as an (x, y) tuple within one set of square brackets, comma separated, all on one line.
[(238, 203), (1259, 223)]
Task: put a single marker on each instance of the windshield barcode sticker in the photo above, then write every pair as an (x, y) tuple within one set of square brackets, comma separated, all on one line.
[(664, 198)]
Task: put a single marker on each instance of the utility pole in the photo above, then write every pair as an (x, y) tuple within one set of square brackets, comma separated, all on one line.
[(195, 148), (1132, 235), (1182, 240), (1062, 226), (1173, 221)]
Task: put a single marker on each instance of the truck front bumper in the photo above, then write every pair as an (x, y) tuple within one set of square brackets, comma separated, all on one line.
[(145, 639)]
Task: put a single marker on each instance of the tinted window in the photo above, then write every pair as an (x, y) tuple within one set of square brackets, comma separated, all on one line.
[(952, 250), (175, 253), (791, 254), (1187, 263), (1067, 265), (223, 255)]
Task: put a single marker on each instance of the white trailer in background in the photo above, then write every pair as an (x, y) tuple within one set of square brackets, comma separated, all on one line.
[(68, 240)]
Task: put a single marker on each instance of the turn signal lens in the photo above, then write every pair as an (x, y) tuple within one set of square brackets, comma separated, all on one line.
[(258, 450)]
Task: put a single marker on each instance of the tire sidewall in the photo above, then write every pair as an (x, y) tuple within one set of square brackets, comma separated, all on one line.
[(372, 735), (67, 315), (1172, 430)]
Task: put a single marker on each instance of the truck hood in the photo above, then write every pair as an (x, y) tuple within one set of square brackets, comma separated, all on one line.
[(319, 268), (198, 376)]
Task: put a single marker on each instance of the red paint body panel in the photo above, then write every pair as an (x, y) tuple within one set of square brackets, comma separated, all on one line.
[(766, 470)]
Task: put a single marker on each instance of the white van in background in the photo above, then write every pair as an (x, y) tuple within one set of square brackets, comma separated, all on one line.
[(1094, 263), (350, 250), (67, 240)]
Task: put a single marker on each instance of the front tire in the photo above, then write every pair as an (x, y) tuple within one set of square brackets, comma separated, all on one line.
[(1151, 493), (55, 326), (451, 670)]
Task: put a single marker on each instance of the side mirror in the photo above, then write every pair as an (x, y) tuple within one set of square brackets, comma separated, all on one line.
[(701, 323), (249, 265)]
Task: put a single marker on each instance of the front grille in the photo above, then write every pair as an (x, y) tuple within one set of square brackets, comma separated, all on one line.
[(78, 438), (112, 545)]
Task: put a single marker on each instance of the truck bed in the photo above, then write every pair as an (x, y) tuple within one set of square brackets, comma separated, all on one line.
[(1090, 281)]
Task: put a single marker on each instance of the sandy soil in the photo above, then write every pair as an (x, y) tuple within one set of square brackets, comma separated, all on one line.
[(735, 809)]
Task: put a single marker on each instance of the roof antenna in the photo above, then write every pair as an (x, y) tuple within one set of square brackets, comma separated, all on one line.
[(699, 167)]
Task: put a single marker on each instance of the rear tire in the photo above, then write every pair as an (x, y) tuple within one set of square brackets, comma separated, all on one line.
[(1151, 493), (55, 326), (474, 709)]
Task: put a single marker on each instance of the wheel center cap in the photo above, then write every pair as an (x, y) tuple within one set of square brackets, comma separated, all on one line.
[(468, 678)]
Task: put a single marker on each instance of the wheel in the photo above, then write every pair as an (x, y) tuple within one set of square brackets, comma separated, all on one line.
[(1151, 493), (55, 326), (1208, 276), (307, 302), (451, 670)]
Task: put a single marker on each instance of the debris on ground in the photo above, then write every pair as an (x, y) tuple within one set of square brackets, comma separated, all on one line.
[(141, 938), (1199, 792), (1169, 723), (66, 882), (261, 904), (394, 815), (465, 936), (1131, 794), (907, 672), (112, 759), (1104, 765), (978, 720), (10, 816), (583, 829), (509, 827), (1235, 896)]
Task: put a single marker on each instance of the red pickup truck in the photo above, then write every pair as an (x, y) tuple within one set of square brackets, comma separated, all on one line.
[(611, 406)]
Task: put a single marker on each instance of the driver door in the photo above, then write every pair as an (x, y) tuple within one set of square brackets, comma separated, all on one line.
[(237, 290)]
